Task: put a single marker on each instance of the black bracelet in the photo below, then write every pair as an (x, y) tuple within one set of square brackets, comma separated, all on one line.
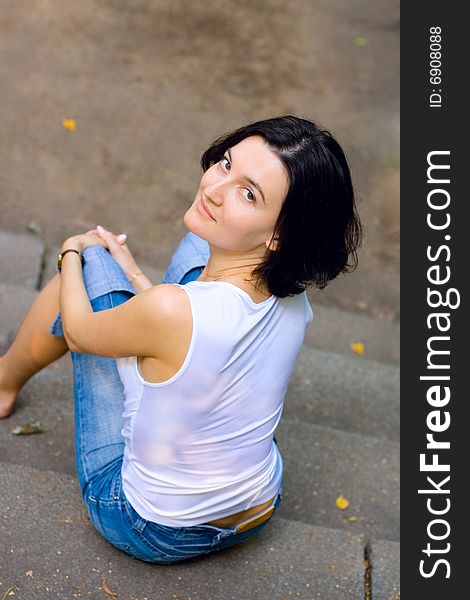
[(62, 254)]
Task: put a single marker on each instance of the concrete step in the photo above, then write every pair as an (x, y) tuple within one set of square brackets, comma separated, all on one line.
[(344, 392), (385, 566), (22, 258), (332, 329), (335, 330), (320, 463), (15, 301), (50, 549), (349, 393)]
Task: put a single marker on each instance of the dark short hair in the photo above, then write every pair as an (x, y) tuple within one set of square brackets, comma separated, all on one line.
[(318, 230)]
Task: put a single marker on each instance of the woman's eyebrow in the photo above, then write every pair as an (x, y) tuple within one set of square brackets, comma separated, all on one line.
[(253, 183)]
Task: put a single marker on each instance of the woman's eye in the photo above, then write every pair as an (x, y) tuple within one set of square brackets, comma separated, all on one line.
[(225, 160), (249, 194)]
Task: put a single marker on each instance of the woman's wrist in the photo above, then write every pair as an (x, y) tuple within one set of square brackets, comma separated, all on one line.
[(139, 281), (69, 247), (72, 242), (131, 270), (132, 276)]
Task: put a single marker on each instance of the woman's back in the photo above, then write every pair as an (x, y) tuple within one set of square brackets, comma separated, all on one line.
[(199, 445)]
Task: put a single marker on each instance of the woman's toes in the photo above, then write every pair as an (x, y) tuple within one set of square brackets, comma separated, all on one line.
[(7, 396), (7, 404)]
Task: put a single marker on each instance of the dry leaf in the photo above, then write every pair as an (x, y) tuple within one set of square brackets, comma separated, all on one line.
[(342, 503), (361, 41), (106, 588), (69, 124), (27, 429), (358, 347), (34, 228)]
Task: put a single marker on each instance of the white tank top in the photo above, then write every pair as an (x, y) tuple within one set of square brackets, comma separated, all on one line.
[(199, 446)]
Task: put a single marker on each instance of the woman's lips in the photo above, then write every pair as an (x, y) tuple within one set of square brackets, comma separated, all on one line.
[(203, 210)]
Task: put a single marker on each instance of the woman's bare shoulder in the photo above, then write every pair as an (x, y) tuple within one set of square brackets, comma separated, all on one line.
[(172, 300), (171, 320)]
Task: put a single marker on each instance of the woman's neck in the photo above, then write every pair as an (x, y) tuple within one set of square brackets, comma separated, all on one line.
[(227, 263), (238, 267)]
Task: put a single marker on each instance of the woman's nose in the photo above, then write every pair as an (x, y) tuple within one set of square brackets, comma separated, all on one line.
[(214, 194)]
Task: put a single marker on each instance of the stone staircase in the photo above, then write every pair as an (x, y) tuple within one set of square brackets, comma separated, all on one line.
[(339, 435)]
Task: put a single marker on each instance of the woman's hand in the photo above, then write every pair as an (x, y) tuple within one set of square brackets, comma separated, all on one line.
[(117, 246), (83, 240), (90, 238)]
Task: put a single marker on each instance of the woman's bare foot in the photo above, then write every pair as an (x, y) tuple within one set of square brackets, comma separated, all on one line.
[(7, 396), (33, 348)]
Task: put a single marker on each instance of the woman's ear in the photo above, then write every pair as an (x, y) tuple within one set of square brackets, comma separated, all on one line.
[(272, 244)]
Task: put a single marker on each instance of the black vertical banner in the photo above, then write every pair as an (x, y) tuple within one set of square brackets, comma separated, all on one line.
[(435, 237)]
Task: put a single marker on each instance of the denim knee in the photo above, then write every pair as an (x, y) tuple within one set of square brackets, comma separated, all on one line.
[(192, 275), (192, 252)]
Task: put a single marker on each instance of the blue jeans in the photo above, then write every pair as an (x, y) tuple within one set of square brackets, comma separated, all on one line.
[(99, 444)]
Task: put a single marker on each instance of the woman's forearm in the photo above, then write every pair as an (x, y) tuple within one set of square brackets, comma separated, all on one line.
[(73, 297), (140, 282)]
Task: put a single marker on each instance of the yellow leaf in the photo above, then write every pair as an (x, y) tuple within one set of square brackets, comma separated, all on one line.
[(361, 41), (358, 347), (69, 124), (106, 588), (341, 502)]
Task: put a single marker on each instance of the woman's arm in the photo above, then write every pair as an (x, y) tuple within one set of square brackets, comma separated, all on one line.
[(142, 326), (140, 282), (73, 297)]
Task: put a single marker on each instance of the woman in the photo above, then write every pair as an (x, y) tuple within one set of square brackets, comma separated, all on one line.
[(179, 387)]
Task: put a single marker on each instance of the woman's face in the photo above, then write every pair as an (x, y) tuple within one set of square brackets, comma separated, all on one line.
[(243, 193)]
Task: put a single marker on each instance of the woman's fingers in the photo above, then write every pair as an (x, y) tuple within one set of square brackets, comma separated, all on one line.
[(108, 235), (118, 248)]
